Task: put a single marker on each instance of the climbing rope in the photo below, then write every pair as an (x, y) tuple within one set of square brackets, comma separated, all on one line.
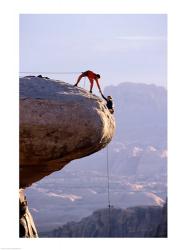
[(108, 189), (54, 73)]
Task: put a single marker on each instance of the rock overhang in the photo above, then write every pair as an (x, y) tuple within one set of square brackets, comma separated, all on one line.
[(58, 123)]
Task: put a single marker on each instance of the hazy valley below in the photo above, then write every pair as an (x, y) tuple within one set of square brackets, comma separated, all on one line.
[(137, 164)]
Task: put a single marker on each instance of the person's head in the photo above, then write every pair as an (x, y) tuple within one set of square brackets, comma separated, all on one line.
[(98, 76), (109, 97)]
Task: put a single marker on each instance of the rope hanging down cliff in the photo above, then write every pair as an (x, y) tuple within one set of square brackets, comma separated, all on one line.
[(108, 189)]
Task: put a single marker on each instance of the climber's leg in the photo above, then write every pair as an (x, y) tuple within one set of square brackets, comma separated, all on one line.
[(91, 84)]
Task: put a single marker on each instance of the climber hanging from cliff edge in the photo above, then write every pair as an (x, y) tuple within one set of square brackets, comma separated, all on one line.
[(109, 104), (92, 77)]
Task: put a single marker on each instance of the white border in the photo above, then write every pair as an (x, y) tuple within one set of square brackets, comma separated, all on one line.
[(177, 81)]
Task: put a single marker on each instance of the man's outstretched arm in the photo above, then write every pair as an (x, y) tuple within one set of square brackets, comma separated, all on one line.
[(104, 97), (98, 85)]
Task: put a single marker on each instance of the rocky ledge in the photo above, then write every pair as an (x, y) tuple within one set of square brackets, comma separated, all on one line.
[(58, 123)]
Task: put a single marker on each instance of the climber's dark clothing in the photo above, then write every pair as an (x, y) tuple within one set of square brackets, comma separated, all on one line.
[(109, 103)]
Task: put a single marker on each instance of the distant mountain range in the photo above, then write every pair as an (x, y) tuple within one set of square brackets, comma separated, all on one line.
[(146, 221), (137, 163), (141, 113)]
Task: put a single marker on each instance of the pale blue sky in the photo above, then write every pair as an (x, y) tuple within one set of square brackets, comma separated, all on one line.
[(120, 47)]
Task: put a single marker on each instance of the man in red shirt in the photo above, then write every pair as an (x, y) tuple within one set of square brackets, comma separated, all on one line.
[(91, 76)]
